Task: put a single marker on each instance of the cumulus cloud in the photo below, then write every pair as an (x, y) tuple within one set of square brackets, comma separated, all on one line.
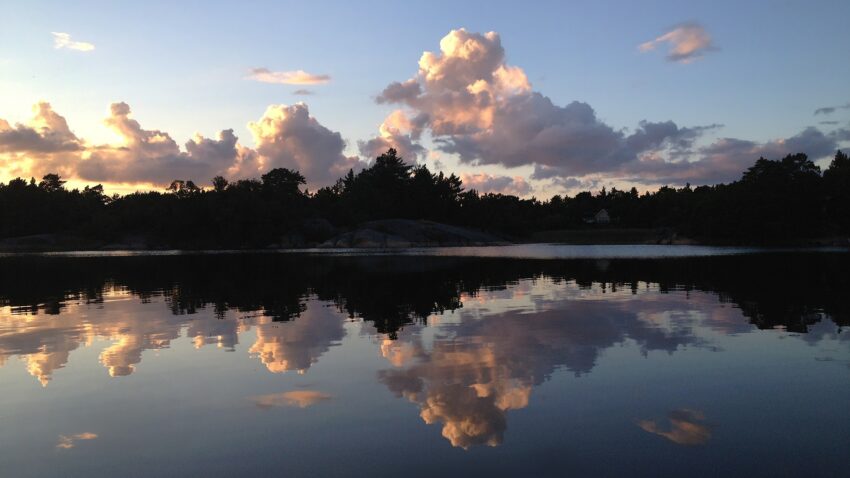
[(399, 132), (399, 92), (153, 156), (303, 92), (486, 183), (477, 106), (63, 41), (297, 77), (287, 136), (44, 144), (465, 98), (828, 110), (47, 132), (687, 42)]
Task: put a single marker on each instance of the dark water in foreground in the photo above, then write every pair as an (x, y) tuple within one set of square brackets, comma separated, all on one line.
[(438, 365)]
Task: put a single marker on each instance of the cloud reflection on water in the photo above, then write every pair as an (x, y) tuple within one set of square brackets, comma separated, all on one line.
[(465, 343), (295, 398), (687, 427)]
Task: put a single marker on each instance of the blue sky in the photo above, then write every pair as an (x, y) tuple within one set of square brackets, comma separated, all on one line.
[(183, 68)]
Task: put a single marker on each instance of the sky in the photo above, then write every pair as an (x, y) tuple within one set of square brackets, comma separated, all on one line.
[(532, 99)]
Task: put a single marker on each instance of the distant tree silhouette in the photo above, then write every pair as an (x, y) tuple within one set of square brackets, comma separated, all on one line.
[(51, 183), (219, 184), (775, 201), (183, 188)]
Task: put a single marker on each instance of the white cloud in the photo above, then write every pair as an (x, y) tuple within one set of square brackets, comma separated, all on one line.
[(63, 40), (297, 77), (688, 42)]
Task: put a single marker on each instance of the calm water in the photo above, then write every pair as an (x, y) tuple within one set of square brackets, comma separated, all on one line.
[(451, 362)]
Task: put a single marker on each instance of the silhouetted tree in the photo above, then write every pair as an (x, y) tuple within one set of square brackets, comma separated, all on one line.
[(51, 183), (283, 181), (219, 184)]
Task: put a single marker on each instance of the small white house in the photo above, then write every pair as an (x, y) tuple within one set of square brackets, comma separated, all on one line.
[(602, 217)]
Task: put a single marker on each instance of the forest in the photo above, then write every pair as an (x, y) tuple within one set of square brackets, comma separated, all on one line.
[(789, 200)]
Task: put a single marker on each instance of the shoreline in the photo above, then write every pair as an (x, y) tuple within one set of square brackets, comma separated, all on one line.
[(119, 249), (401, 235)]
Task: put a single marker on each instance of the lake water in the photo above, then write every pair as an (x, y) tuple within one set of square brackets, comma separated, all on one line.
[(524, 361)]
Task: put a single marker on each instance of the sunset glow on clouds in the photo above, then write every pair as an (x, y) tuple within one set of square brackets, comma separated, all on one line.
[(298, 77), (286, 136), (687, 42), (45, 345), (485, 111), (465, 102), (68, 442), (486, 183)]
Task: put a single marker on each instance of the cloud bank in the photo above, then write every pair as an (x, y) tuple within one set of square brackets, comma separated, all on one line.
[(285, 136), (465, 99)]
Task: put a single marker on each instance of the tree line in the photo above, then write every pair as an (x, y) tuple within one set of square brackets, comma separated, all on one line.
[(774, 201)]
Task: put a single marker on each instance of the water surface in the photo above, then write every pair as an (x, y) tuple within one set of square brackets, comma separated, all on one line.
[(592, 363)]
